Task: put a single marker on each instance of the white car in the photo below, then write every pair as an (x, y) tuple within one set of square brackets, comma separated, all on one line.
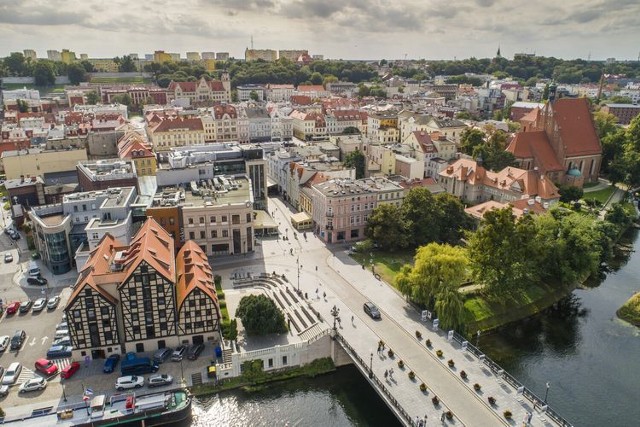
[(33, 384), (39, 305), (53, 303), (62, 325), (129, 382), (4, 342), (160, 380), (12, 374)]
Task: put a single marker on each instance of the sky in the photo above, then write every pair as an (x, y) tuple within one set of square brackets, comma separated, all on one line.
[(337, 29)]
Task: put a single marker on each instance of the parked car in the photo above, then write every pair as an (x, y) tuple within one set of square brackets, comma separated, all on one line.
[(371, 310), (4, 390), (8, 258), (37, 281), (13, 234), (12, 374), (194, 351), (160, 380), (111, 363), (39, 305), (179, 352), (59, 351), (33, 384), (66, 340), (68, 371), (53, 303), (18, 339), (62, 325), (46, 367), (13, 307), (4, 342), (161, 355), (25, 306), (1, 371), (129, 382)]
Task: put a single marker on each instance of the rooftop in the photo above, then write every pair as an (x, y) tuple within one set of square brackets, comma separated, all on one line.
[(219, 191)]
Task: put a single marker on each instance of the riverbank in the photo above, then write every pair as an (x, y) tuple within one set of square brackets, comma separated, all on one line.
[(255, 379), (630, 311)]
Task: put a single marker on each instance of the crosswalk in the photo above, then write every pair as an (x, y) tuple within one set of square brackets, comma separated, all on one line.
[(28, 373)]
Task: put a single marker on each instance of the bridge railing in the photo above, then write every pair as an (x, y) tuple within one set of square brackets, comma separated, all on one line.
[(496, 369)]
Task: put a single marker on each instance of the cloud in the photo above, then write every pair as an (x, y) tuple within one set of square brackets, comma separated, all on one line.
[(43, 15)]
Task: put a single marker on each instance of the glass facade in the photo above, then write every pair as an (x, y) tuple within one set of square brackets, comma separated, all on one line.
[(58, 252)]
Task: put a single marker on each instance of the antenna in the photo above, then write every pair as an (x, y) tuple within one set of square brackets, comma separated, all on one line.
[(251, 41)]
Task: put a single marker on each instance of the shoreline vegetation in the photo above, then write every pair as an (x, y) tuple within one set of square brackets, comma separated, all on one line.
[(630, 310)]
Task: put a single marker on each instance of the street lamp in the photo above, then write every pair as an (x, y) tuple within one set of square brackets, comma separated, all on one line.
[(335, 312), (478, 339), (64, 395), (371, 366), (546, 393), (299, 268)]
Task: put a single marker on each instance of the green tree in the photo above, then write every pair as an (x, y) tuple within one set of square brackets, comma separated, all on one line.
[(570, 193), (606, 123), (93, 98), (16, 64), (387, 228), (253, 95), (350, 130), (126, 64), (470, 139), (124, 99), (43, 74), (463, 115), (76, 73), (356, 159), (450, 307), (260, 315), (88, 66), (453, 221), (316, 78), (421, 213), (23, 107)]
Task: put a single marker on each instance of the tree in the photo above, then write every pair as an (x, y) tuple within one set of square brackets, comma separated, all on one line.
[(470, 139), (124, 99), (316, 78), (93, 98), (570, 193), (450, 307), (88, 66), (387, 228), (453, 220), (606, 123), (76, 73), (43, 74), (23, 107), (16, 64), (260, 315), (350, 130), (126, 64), (253, 95), (356, 159), (421, 214)]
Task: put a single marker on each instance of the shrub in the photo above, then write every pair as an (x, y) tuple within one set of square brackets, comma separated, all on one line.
[(439, 353), (449, 415), (507, 414), (463, 375), (1, 413), (400, 364), (223, 304), (423, 387), (428, 342), (477, 387), (418, 334), (390, 353), (412, 375), (435, 400), (492, 400), (451, 363)]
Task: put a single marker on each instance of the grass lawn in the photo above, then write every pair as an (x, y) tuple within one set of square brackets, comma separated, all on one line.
[(630, 311), (136, 79), (600, 195), (387, 264)]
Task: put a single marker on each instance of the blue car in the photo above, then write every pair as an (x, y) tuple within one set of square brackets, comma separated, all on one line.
[(111, 363), (58, 351)]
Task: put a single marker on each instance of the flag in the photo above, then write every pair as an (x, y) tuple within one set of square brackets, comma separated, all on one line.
[(88, 391)]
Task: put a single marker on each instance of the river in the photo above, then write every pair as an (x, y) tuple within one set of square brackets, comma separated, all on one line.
[(589, 357)]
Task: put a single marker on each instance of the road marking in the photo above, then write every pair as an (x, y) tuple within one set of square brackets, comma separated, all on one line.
[(33, 342), (44, 339)]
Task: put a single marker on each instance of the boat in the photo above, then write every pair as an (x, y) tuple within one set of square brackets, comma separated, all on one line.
[(167, 408)]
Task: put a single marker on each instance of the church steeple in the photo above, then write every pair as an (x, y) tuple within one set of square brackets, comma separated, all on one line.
[(498, 53)]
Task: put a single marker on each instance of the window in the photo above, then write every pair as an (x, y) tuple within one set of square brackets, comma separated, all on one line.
[(225, 233), (224, 218), (104, 311), (270, 363), (190, 220), (201, 220), (163, 326), (214, 234), (76, 313), (235, 219), (106, 323), (75, 208), (95, 236), (212, 219), (108, 336), (248, 217), (203, 235), (133, 304), (135, 317), (192, 235), (172, 221), (284, 360)]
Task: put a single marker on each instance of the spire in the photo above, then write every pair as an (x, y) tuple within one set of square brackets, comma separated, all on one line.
[(498, 52)]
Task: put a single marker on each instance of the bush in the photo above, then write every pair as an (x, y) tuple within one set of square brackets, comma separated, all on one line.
[(492, 400), (435, 400), (428, 342), (507, 414), (2, 413), (423, 387), (260, 315), (418, 334), (477, 387), (390, 353), (400, 364), (451, 363), (463, 375), (223, 304), (412, 375), (439, 353), (449, 415)]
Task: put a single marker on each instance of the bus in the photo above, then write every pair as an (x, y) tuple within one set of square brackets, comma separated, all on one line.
[(133, 365)]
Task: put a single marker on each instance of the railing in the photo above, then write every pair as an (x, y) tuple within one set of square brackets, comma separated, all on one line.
[(497, 370)]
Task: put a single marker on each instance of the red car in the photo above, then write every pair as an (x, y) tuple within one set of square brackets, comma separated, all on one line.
[(47, 367), (13, 307), (68, 371)]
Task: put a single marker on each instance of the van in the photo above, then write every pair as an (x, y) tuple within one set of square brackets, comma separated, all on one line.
[(18, 339), (34, 270)]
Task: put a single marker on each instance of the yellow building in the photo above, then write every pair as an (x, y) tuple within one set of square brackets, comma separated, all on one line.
[(268, 55), (36, 162), (67, 56), (132, 147), (160, 56), (106, 65), (210, 64)]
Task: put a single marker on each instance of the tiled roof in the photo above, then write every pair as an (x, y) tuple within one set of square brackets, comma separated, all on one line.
[(535, 145), (214, 85), (310, 88), (577, 130), (193, 272), (170, 124), (220, 110), (133, 141)]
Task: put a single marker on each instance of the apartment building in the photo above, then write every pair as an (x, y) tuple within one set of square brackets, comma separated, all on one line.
[(104, 174), (202, 91), (131, 146), (176, 132), (623, 112), (268, 55), (37, 161), (279, 93)]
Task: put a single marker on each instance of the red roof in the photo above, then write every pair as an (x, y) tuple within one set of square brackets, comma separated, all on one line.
[(577, 130), (194, 273), (220, 110), (536, 146), (214, 85), (170, 124)]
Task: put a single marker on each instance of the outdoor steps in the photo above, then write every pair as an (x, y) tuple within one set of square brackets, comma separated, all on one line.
[(196, 378), (226, 355), (312, 332)]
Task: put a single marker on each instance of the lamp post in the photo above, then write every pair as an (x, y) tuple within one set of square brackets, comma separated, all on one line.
[(64, 395), (335, 312), (546, 393), (299, 268), (371, 366), (478, 339)]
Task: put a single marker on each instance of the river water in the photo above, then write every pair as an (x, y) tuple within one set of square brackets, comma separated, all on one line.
[(589, 357)]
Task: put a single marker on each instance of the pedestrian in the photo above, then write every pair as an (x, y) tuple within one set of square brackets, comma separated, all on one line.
[(316, 268), (324, 295), (417, 420), (386, 374), (391, 373), (352, 318), (442, 417), (425, 419)]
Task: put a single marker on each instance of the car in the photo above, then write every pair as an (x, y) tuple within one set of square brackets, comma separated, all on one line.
[(37, 281), (33, 384), (179, 352), (8, 258), (61, 333), (4, 390), (111, 363), (18, 339), (160, 380), (129, 382), (1, 371), (371, 310), (46, 367), (66, 340), (39, 305), (25, 306), (13, 307), (14, 234), (4, 342), (53, 303), (59, 351), (68, 371), (194, 351), (161, 355), (12, 374), (62, 326)]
